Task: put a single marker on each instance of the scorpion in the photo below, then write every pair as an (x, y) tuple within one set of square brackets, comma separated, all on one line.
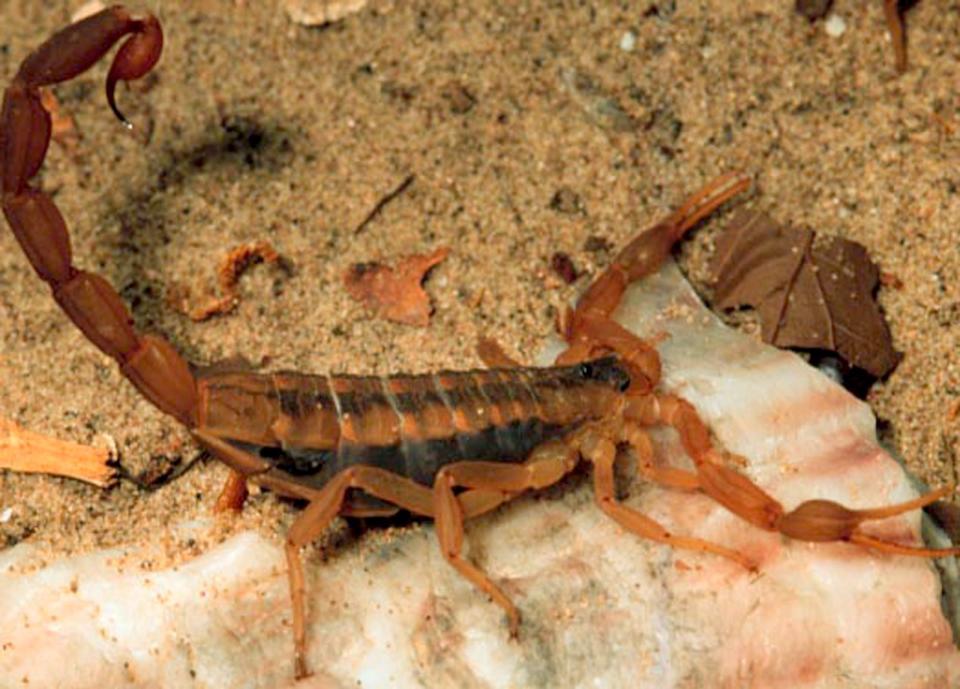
[(449, 446)]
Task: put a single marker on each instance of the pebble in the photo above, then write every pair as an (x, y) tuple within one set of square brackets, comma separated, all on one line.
[(835, 26), (628, 41)]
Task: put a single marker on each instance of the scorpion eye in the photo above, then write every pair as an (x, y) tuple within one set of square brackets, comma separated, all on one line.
[(585, 370)]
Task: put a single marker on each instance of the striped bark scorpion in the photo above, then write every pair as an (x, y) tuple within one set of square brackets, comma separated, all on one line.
[(449, 446)]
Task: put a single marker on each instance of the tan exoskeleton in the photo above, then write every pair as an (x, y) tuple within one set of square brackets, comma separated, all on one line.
[(448, 446)]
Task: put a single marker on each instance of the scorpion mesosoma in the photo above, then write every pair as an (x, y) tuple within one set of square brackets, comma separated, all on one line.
[(448, 446)]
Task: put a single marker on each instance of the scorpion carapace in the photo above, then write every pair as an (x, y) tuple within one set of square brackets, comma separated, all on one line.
[(449, 446)]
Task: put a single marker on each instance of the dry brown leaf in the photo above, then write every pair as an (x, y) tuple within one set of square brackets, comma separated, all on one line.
[(811, 293), (25, 451), (395, 293)]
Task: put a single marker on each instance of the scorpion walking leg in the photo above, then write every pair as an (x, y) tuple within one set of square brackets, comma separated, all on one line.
[(727, 486), (602, 453), (546, 465), (671, 477), (322, 509), (233, 494)]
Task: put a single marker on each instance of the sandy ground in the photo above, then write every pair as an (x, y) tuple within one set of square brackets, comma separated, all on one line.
[(254, 128)]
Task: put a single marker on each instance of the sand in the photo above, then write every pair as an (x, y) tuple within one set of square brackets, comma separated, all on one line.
[(530, 129)]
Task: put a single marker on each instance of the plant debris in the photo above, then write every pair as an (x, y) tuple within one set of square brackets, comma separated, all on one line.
[(566, 200), (395, 293), (29, 452), (321, 12), (231, 268), (492, 354), (384, 200), (810, 292), (63, 128)]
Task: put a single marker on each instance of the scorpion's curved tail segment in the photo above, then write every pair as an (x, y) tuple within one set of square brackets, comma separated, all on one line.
[(150, 363)]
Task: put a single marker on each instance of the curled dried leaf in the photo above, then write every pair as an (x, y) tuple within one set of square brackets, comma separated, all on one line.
[(395, 293), (810, 292), (26, 451), (231, 268)]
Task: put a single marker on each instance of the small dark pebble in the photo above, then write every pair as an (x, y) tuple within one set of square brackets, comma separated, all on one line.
[(358, 270), (563, 266), (813, 9), (596, 244), (566, 200), (460, 99)]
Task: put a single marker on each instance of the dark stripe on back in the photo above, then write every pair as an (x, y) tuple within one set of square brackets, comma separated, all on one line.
[(419, 461)]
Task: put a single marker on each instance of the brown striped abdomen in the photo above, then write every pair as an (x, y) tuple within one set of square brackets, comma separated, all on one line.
[(315, 426)]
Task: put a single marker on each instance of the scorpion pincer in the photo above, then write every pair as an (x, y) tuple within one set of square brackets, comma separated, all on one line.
[(448, 446)]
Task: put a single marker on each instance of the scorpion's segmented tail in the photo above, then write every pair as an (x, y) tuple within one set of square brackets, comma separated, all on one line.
[(151, 363)]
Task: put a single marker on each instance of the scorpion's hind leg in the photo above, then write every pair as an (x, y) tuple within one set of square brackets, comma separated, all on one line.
[(602, 453), (327, 503), (490, 483), (713, 474)]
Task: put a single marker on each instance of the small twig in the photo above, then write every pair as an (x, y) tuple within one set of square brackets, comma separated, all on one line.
[(390, 196), (154, 483), (29, 452)]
